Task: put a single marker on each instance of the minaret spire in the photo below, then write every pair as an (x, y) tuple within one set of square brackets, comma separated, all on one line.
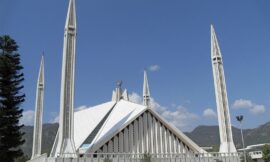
[(37, 134), (225, 130), (66, 139), (146, 91)]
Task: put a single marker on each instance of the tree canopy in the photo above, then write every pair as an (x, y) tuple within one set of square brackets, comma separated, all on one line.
[(11, 99)]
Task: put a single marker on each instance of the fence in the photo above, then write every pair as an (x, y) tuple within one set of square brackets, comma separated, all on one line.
[(124, 157)]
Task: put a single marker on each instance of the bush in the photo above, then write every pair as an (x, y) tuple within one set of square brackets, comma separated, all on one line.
[(266, 153), (107, 160), (146, 158)]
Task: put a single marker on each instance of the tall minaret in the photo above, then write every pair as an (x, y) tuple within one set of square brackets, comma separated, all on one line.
[(225, 130), (66, 141), (146, 91), (37, 134)]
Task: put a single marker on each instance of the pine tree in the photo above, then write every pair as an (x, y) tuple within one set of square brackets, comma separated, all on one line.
[(11, 98)]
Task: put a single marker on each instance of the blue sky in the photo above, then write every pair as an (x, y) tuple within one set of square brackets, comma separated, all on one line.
[(118, 39)]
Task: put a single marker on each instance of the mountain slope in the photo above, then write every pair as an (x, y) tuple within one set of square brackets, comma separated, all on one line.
[(209, 135), (48, 135), (202, 135)]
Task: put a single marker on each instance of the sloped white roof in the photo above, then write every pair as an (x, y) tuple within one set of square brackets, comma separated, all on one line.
[(122, 114), (86, 120)]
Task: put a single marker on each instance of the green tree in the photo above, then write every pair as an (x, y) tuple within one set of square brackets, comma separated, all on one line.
[(266, 153), (11, 99)]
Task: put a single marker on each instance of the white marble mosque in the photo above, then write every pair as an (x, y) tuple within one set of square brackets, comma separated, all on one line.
[(120, 130)]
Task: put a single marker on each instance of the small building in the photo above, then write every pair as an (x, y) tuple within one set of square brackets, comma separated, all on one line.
[(255, 151)]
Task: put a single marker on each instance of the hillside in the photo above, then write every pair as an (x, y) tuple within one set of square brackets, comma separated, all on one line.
[(48, 135), (209, 135), (202, 135)]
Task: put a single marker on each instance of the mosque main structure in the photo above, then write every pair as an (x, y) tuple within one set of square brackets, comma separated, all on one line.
[(121, 126)]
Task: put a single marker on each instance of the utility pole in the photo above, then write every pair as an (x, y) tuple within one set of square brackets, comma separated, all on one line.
[(240, 119)]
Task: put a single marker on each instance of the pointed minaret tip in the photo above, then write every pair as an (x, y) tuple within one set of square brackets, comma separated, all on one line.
[(41, 72), (212, 27), (215, 50), (213, 33), (71, 16), (146, 91), (42, 59)]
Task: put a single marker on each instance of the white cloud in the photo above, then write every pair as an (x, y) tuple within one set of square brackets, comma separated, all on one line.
[(134, 97), (154, 68), (28, 117), (253, 108), (257, 109), (209, 113), (241, 103), (179, 116)]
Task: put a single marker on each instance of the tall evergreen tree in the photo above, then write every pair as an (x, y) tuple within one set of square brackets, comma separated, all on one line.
[(11, 98)]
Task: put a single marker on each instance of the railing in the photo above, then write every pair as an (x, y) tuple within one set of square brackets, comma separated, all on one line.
[(135, 157)]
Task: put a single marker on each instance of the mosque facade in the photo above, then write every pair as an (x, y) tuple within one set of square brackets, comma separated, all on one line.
[(119, 126)]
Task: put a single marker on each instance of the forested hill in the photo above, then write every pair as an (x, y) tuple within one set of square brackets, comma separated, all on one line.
[(209, 135), (202, 135)]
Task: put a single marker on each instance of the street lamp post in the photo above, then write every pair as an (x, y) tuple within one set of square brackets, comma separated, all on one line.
[(240, 119)]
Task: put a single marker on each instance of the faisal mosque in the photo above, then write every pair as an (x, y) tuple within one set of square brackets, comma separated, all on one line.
[(120, 128)]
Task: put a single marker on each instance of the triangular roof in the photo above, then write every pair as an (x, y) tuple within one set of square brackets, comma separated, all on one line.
[(114, 117), (123, 113)]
